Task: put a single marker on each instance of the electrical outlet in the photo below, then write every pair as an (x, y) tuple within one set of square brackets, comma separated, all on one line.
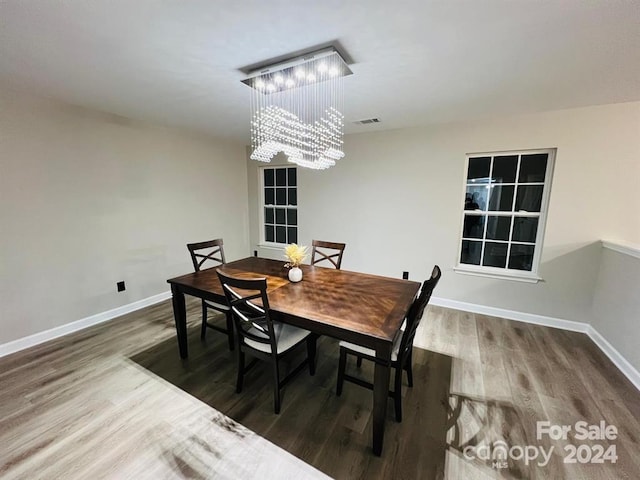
[(405, 275), (121, 287)]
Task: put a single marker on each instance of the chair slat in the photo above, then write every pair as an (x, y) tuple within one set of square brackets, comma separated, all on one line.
[(333, 257)]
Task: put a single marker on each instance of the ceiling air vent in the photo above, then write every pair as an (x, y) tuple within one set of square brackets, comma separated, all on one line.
[(367, 121)]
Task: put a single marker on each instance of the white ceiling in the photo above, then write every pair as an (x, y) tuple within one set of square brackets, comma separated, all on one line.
[(415, 62)]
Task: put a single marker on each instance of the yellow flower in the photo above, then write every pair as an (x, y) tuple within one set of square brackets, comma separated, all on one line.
[(296, 254)]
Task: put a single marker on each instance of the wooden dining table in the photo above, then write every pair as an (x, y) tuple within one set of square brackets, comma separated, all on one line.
[(363, 309)]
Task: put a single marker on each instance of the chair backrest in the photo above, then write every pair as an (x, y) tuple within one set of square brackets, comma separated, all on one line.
[(251, 320), (326, 251), (416, 311), (211, 251)]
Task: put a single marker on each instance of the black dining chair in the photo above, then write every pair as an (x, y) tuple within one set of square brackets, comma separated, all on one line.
[(401, 352), (259, 335), (210, 254), (327, 251)]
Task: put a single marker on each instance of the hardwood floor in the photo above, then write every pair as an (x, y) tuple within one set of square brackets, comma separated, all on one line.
[(116, 401)]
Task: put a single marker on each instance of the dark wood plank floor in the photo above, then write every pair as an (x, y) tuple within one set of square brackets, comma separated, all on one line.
[(479, 380)]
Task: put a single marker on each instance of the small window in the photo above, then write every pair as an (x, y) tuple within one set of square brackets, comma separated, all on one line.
[(506, 198), (279, 198)]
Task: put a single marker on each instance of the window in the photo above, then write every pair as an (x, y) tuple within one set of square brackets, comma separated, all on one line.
[(505, 206), (279, 205)]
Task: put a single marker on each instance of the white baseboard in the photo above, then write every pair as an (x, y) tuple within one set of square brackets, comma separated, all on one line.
[(41, 337), (616, 357), (512, 315), (623, 365), (619, 361)]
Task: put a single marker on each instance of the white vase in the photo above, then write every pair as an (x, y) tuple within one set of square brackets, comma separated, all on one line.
[(295, 274)]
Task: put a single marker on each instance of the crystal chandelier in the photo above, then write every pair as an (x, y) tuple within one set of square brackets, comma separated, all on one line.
[(296, 108)]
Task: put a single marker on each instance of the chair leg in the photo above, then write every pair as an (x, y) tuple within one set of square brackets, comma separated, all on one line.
[(276, 386), (359, 362), (408, 367), (203, 331), (311, 353), (397, 393), (230, 330), (342, 365), (240, 370)]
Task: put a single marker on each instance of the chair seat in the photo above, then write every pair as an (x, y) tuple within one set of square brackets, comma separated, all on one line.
[(217, 306), (372, 353), (287, 336)]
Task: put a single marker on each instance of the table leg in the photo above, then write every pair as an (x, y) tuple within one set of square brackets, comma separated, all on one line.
[(380, 396), (180, 317)]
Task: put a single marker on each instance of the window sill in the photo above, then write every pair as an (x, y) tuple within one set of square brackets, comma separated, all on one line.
[(517, 277), (272, 246)]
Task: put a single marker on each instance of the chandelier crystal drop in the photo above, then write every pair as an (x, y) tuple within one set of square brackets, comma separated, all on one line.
[(296, 109)]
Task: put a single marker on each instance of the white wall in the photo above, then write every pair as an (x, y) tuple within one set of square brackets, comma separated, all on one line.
[(88, 199), (396, 200), (616, 303)]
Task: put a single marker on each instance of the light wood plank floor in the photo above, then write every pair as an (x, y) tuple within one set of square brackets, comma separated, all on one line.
[(115, 401)]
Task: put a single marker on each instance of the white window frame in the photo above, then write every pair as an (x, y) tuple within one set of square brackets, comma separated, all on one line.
[(506, 273), (261, 219)]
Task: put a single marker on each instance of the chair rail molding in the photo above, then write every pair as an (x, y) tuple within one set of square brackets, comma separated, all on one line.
[(622, 247)]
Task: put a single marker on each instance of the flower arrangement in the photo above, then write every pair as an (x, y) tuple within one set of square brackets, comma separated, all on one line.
[(296, 254)]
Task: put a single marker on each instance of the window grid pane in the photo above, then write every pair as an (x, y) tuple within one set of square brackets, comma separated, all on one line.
[(499, 228), (269, 196), (292, 235), (533, 168), (473, 226), (505, 169), (529, 198), (478, 170), (292, 196), (269, 179), (269, 233), (470, 252), (495, 254), (268, 215), (292, 177), (281, 177)]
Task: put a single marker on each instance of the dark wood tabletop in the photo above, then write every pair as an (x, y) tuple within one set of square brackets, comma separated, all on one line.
[(348, 305), (364, 309)]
